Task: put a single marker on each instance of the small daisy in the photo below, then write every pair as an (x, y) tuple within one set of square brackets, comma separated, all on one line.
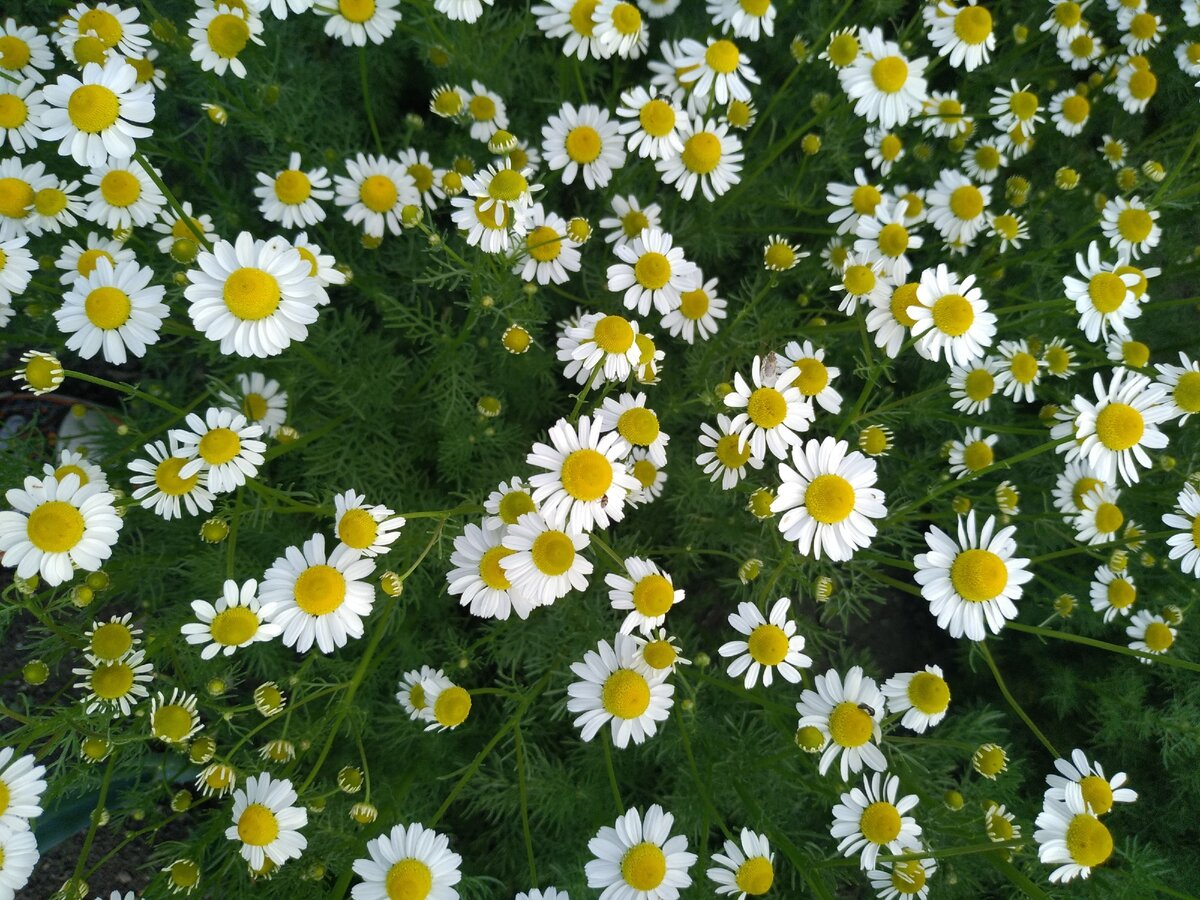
[(370, 530), (174, 228), (888, 319), (1182, 386), (951, 316), (886, 233), (637, 426), (21, 785), (923, 697), (71, 461), (175, 720), (1150, 634), (148, 72), (231, 623), (660, 652), (570, 19), (971, 584), (1072, 487), (159, 486), (847, 713), (17, 266), (1070, 111), (291, 196), (222, 446), (414, 689), (467, 11), (748, 869), (1060, 358), (100, 116), (815, 378), (260, 399), (1100, 520), (1011, 228), (862, 281), (56, 205), (355, 22), (828, 499), (583, 141), (18, 855), (1071, 837), (851, 202), (652, 271), (26, 53), (984, 160), (958, 208), (112, 312), (884, 149), (314, 598), (114, 27), (728, 455), (775, 410), (550, 256), (267, 822), (873, 818), (630, 219), (1185, 546), (409, 861), (1135, 86), (711, 158), (1080, 49), (617, 688), (1105, 298), (639, 859), (842, 49), (650, 124), (478, 579), (21, 111), (600, 348), (697, 313), (650, 477), (1099, 791), (963, 34), (945, 116), (219, 33), (374, 191), (1021, 371), (125, 195), (487, 112), (885, 85), (508, 503), (449, 705), (619, 29), (1187, 55), (255, 297), (56, 526), (585, 483), (492, 226), (115, 687), (905, 880), (718, 70), (745, 18), (771, 644), (648, 593), (780, 254), (322, 266), (973, 453), (1112, 593), (546, 563), (1127, 352), (1130, 227)]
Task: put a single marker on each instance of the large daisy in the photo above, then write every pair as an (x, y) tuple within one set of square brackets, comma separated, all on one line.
[(113, 312), (159, 485), (873, 818), (478, 579), (775, 410), (546, 562), (886, 86), (847, 714), (616, 687), (267, 821), (408, 861), (951, 316), (640, 859), (100, 115), (771, 644), (231, 623), (652, 270)]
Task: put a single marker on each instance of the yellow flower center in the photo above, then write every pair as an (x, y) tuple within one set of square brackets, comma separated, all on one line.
[(251, 294), (581, 17), (356, 10), (977, 455), (757, 8), (234, 626), (779, 256), (950, 110), (219, 445), (865, 198), (843, 50), (929, 693), (626, 694), (16, 196), (357, 529), (553, 552), (966, 202), (755, 876), (145, 69), (987, 157), (953, 314), (850, 726), (893, 239), (1107, 291), (702, 152), (1058, 360), (652, 270), (257, 826), (1121, 594), (1143, 26), (452, 707), (659, 654), (14, 53), (634, 223), (1082, 46), (639, 426), (482, 108), (513, 505), (874, 440), (1134, 224), (107, 307), (908, 877), (408, 879), (768, 644), (93, 108), (890, 147), (49, 201), (1159, 639), (378, 193), (491, 571), (103, 24), (507, 185), (694, 304), (973, 25), (978, 575), (171, 722), (63, 471), (1108, 518), (1187, 392), (613, 334), (111, 681), (1088, 841), (889, 74), (767, 408), (1082, 488), (859, 280), (813, 377), (731, 453), (89, 49), (167, 480), (902, 298), (320, 590), (657, 118), (829, 499), (1097, 794), (583, 144), (111, 641), (55, 526), (13, 111), (1119, 426), (227, 35), (1068, 14), (587, 474), (292, 187), (880, 823), (653, 596), (722, 56), (1076, 108), (495, 217), (645, 472), (626, 19), (1024, 367)]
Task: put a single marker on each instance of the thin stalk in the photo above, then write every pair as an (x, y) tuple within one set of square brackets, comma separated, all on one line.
[(366, 92), (1012, 701), (175, 204), (95, 822), (523, 794), (1162, 660), (612, 775), (124, 389)]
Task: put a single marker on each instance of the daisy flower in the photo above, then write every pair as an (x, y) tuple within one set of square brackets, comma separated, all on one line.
[(861, 281), (159, 485), (630, 219), (771, 644), (267, 822), (255, 297), (1070, 111), (1130, 227), (291, 196), (478, 579), (617, 688), (18, 855), (748, 869), (984, 160), (55, 206), (1099, 792), (408, 861), (842, 49), (115, 687), (260, 399), (231, 623), (873, 818), (1105, 298), (660, 652), (314, 598), (1059, 358), (414, 689), (945, 116), (650, 124), (828, 499), (814, 380), (652, 271), (39, 373), (600, 348), (583, 141), (1151, 634), (780, 254), (963, 35), (174, 721), (951, 316), (56, 526), (1185, 546), (219, 33), (650, 477), (73, 462), (487, 112), (775, 410), (98, 116), (851, 202), (619, 30), (1135, 86), (711, 158), (884, 149), (973, 453), (21, 785), (971, 584), (1020, 370), (370, 530), (1112, 593), (570, 19), (550, 256), (646, 591), (1011, 228), (21, 111), (222, 446), (374, 191), (508, 503), (888, 319), (355, 22), (174, 228), (1182, 385), (547, 894), (1081, 49), (1066, 19), (500, 185), (26, 53), (1127, 352), (17, 266), (719, 70), (885, 235), (745, 18), (1072, 487), (640, 859), (1187, 55), (546, 563), (114, 27), (923, 697), (448, 704), (905, 880), (697, 313), (885, 85), (1071, 837), (847, 714), (957, 208), (727, 455), (322, 266), (113, 312), (1113, 433), (1100, 520), (637, 426)]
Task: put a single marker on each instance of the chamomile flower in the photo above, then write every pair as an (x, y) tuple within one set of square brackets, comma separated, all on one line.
[(957, 207), (478, 579), (253, 296), (745, 869), (828, 499), (1016, 105), (1060, 358), (697, 314), (571, 20), (873, 818), (26, 53), (651, 271), (984, 160), (711, 159), (546, 563), (1187, 55), (1130, 227), (315, 598), (971, 584), (775, 410), (645, 591), (884, 84), (114, 312), (637, 426), (973, 453), (449, 705), (584, 484), (17, 266), (780, 254), (374, 191), (1100, 520), (771, 645), (467, 11), (615, 688), (629, 220), (885, 235), (851, 202), (884, 149), (547, 894), (21, 785), (1081, 49), (1070, 111), (369, 529), (414, 689), (159, 485), (950, 316), (18, 855), (1182, 386), (21, 111), (639, 859), (233, 622), (1010, 227), (114, 687), (72, 461), (600, 348), (99, 116), (355, 22), (945, 116), (1020, 372), (55, 205), (728, 455), (549, 255), (1150, 633), (491, 226), (905, 880), (506, 504), (115, 27), (1113, 433), (174, 227), (1140, 28), (55, 526), (1099, 791), (619, 30), (843, 48), (291, 197), (718, 70), (174, 720), (487, 112), (408, 861), (650, 123), (815, 378), (660, 652), (1105, 299), (222, 446), (1185, 546), (923, 697), (322, 266), (650, 477), (260, 399), (847, 715), (267, 821), (1071, 837), (963, 35), (1112, 593), (888, 319), (1072, 487), (219, 33), (583, 141)]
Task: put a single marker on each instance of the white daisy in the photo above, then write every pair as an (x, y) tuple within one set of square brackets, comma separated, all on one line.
[(21, 785), (711, 158), (260, 399), (231, 623), (1105, 298), (26, 52), (1135, 86), (771, 645), (1185, 546), (905, 880), (973, 386), (697, 313), (56, 205), (21, 112), (1100, 520), (508, 503), (971, 584), (72, 461), (112, 312), (570, 19), (636, 424), (945, 116), (322, 266), (1130, 227), (487, 112), (885, 85), (222, 446), (408, 861), (17, 266), (114, 687), (645, 591), (467, 11), (851, 202), (951, 316), (414, 689), (616, 688), (546, 563), (984, 161), (174, 720), (174, 228), (1150, 633), (18, 855), (115, 27), (1112, 593), (629, 220), (291, 197), (923, 697), (652, 271), (650, 124), (861, 280), (718, 70), (748, 869), (1099, 791), (312, 597), (1073, 485), (267, 821), (1020, 370), (884, 149), (1071, 837), (549, 255), (100, 116), (374, 191), (963, 34), (355, 22), (583, 141), (650, 477), (1182, 385), (815, 378), (888, 319), (478, 579), (219, 33), (728, 455), (745, 18), (873, 818), (600, 348), (1070, 111), (973, 453), (660, 652), (370, 530), (775, 410), (886, 233), (957, 207), (159, 486), (619, 29), (847, 714), (448, 705)]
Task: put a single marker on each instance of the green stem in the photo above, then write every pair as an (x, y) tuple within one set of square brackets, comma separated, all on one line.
[(1104, 645), (362, 72), (1012, 701), (1019, 879), (124, 389), (171, 199), (966, 850), (1088, 548), (523, 795), (612, 774), (701, 785), (95, 821)]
